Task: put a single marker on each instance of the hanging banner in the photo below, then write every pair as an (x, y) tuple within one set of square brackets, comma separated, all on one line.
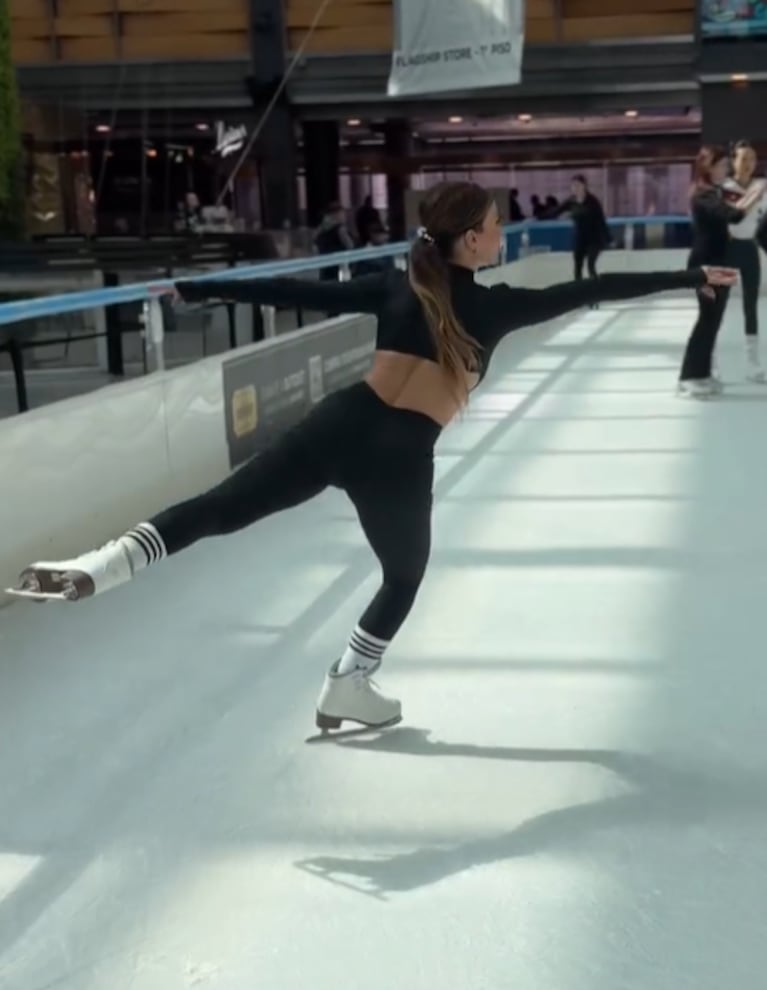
[(450, 45)]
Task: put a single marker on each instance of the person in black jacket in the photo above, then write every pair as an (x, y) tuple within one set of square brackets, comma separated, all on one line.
[(712, 216), (592, 235), (333, 236), (437, 330), (377, 237)]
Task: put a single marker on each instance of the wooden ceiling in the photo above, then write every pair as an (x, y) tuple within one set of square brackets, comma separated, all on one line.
[(104, 30), (366, 25)]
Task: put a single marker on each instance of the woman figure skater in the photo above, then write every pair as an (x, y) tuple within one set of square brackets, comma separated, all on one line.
[(712, 216), (592, 235), (437, 330), (743, 252)]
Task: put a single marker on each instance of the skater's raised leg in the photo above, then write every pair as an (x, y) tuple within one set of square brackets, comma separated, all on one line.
[(401, 539), (288, 473)]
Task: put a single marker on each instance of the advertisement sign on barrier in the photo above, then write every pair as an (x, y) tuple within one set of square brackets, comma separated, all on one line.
[(268, 390)]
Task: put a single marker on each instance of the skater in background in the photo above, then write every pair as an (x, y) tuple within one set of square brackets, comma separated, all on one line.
[(515, 210), (367, 218), (378, 235), (437, 330), (743, 252), (332, 237), (712, 216), (592, 235)]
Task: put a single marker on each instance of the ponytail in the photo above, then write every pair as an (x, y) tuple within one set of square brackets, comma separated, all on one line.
[(457, 351), (707, 157)]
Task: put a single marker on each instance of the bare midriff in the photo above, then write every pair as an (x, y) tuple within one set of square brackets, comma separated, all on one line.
[(405, 381)]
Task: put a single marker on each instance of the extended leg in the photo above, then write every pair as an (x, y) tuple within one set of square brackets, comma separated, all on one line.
[(288, 473)]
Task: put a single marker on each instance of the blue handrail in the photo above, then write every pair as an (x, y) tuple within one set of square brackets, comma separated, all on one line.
[(69, 302)]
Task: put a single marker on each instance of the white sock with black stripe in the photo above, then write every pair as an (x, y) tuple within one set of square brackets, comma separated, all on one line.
[(144, 546), (364, 652)]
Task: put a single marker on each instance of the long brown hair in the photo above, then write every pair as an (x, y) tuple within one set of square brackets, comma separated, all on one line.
[(708, 156), (448, 211)]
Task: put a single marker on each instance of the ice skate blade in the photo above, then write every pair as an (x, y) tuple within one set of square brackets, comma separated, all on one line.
[(360, 729), (38, 596), (697, 396), (56, 585)]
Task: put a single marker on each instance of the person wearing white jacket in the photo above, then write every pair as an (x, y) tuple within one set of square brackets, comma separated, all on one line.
[(743, 252)]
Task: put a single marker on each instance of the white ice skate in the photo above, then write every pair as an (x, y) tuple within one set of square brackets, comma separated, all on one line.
[(716, 384), (754, 370), (697, 388), (70, 580), (354, 697)]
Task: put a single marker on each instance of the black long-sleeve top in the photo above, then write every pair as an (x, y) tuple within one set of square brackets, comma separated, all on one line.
[(711, 217), (488, 314), (588, 219)]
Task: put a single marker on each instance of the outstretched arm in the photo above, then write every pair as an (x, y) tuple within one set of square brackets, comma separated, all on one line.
[(711, 207), (361, 295), (565, 207), (512, 308)]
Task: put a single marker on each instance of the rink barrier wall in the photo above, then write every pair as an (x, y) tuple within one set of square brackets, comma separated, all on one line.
[(78, 472)]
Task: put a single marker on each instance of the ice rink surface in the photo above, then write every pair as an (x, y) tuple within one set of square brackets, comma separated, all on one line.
[(577, 797)]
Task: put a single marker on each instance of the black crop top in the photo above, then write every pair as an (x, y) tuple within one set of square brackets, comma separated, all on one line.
[(711, 217), (487, 313)]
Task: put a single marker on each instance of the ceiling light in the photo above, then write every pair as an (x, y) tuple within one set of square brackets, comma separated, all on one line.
[(202, 127), (632, 113), (103, 128), (525, 118), (354, 122), (739, 77), (455, 120)]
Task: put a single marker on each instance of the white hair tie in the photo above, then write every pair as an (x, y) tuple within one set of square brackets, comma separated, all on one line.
[(424, 234)]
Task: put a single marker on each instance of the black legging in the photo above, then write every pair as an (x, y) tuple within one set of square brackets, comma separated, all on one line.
[(744, 255), (588, 252), (380, 456), (699, 353)]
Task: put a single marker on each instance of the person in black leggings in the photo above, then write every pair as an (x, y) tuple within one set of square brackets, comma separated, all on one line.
[(380, 455), (711, 218), (743, 252)]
